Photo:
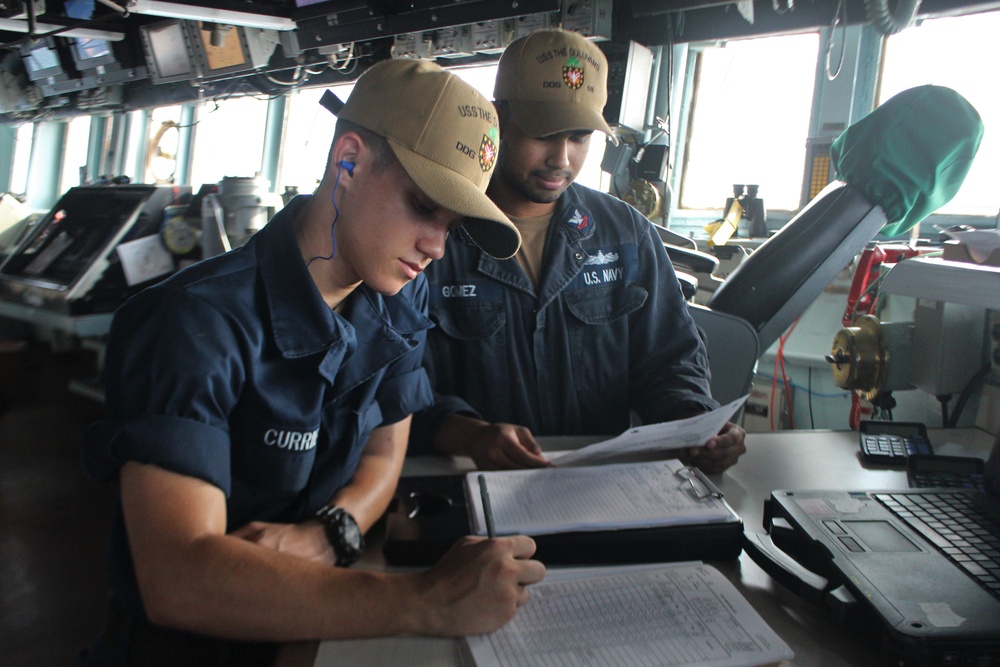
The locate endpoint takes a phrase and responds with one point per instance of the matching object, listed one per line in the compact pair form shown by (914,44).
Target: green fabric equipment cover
(911,154)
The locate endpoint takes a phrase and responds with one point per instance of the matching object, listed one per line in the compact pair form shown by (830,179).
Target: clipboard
(429,514)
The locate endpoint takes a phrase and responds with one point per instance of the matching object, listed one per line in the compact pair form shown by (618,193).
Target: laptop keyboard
(952,523)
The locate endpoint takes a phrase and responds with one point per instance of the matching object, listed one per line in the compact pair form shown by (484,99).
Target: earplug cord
(333,199)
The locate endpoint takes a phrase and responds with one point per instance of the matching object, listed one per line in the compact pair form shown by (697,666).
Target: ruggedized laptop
(918,569)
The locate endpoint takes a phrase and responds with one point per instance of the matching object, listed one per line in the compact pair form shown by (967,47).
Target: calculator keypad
(944,479)
(889,447)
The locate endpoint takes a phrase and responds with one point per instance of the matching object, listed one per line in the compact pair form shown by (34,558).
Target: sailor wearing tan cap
(259,402)
(587,323)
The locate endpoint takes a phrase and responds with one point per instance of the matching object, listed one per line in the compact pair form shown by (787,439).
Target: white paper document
(662,614)
(144,259)
(615,496)
(980,243)
(663,437)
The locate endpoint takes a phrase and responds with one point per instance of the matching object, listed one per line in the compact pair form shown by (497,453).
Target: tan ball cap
(446,136)
(554,81)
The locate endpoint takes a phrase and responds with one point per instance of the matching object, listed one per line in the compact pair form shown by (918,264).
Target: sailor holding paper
(587,322)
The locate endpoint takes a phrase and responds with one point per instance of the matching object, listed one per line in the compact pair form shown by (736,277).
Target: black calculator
(891,443)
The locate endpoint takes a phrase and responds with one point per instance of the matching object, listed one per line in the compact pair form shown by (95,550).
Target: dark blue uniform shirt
(236,372)
(606,331)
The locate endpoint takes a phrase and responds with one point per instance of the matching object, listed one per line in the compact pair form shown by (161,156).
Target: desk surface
(787,459)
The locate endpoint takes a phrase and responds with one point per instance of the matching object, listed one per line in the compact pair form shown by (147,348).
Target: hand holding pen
(483,581)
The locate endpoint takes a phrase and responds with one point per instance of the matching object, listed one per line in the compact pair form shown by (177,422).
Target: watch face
(352,534)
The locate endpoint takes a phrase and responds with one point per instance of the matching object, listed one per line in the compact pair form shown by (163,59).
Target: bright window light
(22,157)
(961,53)
(229,139)
(750,121)
(308,134)
(75,152)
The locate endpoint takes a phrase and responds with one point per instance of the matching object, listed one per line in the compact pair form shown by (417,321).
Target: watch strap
(342,532)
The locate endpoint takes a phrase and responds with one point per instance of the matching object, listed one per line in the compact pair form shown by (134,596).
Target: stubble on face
(528,183)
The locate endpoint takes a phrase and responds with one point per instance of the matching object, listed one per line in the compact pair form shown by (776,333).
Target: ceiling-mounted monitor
(169,54)
(92,53)
(41,60)
(224,49)
(178,50)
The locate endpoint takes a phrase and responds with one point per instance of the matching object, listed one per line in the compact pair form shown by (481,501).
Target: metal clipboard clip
(700,486)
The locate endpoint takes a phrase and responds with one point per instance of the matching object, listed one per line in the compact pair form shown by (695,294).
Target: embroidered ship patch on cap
(573,73)
(488,149)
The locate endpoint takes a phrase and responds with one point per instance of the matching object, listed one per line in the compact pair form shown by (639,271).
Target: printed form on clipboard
(659,439)
(616,496)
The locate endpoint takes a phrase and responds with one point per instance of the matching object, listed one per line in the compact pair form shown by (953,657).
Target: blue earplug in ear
(349,166)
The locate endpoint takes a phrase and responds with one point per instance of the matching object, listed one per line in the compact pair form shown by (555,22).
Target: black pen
(487,508)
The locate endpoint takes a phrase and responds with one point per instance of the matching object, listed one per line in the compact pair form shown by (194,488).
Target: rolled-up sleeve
(152,439)
(168,396)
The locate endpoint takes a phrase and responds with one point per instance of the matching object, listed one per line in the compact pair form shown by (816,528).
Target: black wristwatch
(342,533)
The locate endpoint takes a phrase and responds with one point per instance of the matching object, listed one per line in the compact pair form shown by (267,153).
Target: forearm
(427,422)
(194,577)
(374,482)
(227,587)
(456,433)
